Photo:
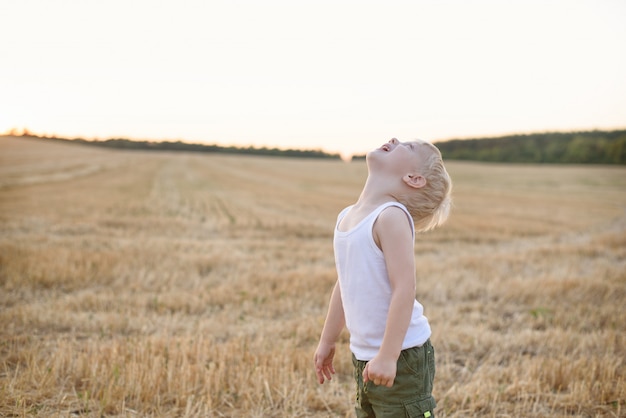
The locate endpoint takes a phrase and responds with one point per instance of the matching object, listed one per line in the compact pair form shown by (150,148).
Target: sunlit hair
(430,205)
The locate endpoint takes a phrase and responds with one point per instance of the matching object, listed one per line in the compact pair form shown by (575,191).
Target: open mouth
(386,148)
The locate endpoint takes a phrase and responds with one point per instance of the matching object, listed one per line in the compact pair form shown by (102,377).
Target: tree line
(122,143)
(586,147)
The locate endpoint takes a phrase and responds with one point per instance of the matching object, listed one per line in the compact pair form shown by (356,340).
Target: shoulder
(394,220)
(394,215)
(343,212)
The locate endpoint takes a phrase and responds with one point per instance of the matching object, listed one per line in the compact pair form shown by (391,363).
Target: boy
(407,189)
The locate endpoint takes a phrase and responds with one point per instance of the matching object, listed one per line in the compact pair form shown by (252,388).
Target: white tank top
(366,290)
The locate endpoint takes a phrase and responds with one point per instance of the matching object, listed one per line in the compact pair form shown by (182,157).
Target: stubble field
(172,284)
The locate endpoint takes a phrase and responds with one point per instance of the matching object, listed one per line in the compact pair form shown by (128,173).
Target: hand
(324,361)
(380,371)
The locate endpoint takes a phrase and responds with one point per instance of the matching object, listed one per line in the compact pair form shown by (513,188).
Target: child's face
(405,156)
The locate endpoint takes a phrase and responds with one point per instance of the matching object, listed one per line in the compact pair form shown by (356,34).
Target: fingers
(380,382)
(323,361)
(328,372)
(377,380)
(324,373)
(320,377)
(331,369)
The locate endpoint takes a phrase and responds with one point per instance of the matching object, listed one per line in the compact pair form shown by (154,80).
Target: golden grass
(159,284)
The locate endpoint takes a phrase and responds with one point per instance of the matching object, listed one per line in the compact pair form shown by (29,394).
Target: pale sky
(342,76)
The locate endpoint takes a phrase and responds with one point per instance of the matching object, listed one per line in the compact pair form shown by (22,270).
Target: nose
(393,141)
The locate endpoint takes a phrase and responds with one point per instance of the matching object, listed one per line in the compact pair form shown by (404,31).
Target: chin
(373,155)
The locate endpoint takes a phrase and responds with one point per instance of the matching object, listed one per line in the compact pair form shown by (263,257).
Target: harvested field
(178,284)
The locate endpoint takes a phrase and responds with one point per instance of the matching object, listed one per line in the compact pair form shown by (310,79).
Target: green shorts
(411,393)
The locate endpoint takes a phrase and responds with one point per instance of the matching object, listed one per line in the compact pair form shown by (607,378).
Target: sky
(341,76)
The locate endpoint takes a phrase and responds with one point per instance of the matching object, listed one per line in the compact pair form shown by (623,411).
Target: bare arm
(393,234)
(335,322)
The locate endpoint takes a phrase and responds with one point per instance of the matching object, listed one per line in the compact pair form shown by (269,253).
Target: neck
(376,192)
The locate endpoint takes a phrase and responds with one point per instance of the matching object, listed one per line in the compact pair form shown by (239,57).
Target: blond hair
(429,205)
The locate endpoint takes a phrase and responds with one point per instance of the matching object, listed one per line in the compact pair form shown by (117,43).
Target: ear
(414,180)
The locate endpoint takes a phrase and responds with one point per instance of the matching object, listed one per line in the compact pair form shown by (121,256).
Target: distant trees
(128,144)
(585,147)
(588,147)
(184,146)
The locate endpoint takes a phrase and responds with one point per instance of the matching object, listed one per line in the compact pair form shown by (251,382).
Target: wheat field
(155,284)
